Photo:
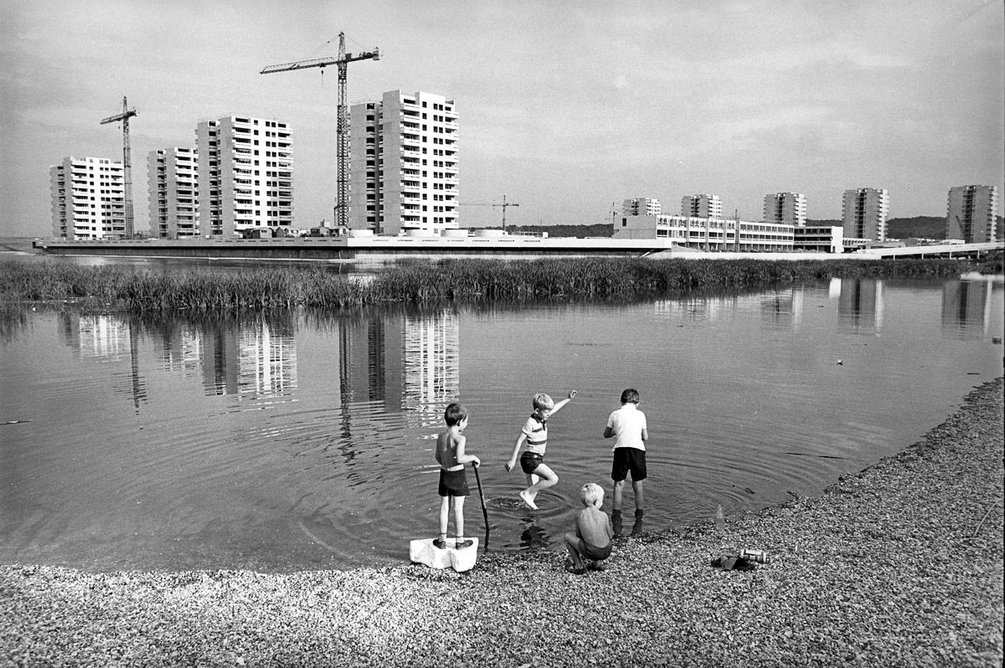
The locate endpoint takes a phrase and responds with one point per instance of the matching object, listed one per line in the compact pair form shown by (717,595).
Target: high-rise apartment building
(403,164)
(972,213)
(88,199)
(641,206)
(785,208)
(864,213)
(701,206)
(173,188)
(245,175)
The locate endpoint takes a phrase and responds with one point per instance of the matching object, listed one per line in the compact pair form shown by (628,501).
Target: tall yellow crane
(342,128)
(126,114)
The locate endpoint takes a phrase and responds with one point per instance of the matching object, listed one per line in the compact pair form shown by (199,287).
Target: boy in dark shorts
(535,435)
(628,425)
(453,482)
(590,544)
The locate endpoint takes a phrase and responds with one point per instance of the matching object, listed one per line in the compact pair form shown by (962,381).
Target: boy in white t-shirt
(628,425)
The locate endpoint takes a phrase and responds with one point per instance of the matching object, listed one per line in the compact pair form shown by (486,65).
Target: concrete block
(422,551)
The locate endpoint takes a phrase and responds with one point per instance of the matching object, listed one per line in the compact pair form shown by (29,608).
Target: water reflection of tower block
(860,303)
(966,309)
(370,359)
(221,360)
(422,551)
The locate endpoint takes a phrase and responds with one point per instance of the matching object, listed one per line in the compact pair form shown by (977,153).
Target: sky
(564,107)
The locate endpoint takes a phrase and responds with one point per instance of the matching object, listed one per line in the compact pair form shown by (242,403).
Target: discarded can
(756,556)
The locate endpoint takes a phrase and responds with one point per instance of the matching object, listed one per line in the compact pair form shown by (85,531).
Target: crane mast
(127,172)
(504,205)
(342,126)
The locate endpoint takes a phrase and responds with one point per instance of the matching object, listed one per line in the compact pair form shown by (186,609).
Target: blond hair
(543,402)
(592,494)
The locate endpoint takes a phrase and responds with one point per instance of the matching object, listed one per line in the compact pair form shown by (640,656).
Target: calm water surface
(303,441)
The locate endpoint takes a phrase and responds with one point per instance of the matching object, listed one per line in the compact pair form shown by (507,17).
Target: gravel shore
(899,565)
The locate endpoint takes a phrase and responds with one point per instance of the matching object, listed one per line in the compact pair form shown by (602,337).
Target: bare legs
(619,486)
(542,478)
(457,503)
(574,544)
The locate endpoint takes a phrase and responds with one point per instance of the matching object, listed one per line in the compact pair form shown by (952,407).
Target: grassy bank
(898,565)
(419,282)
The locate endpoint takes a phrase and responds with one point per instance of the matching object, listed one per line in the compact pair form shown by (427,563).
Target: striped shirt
(536,431)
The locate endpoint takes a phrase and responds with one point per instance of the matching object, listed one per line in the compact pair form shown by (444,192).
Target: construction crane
(126,114)
(342,128)
(492,204)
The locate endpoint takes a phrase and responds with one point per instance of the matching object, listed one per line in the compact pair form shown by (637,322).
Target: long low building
(360,246)
(363,246)
(730,235)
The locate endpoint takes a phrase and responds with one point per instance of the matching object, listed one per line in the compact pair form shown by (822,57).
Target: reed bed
(600,279)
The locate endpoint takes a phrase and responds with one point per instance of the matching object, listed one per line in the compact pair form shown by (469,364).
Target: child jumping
(453,482)
(628,426)
(591,541)
(535,434)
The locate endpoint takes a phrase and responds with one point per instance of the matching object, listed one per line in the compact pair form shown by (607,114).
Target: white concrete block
(422,551)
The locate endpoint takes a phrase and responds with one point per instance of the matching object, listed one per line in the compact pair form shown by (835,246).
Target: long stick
(485,512)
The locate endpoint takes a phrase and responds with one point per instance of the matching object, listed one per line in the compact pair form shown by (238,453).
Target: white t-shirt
(627,423)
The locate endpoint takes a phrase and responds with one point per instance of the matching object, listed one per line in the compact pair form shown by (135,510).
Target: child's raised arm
(563,402)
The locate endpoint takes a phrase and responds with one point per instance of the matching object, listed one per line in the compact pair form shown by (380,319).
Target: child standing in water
(628,427)
(535,434)
(453,482)
(590,544)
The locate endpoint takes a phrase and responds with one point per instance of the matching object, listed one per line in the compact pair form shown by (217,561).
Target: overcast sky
(564,107)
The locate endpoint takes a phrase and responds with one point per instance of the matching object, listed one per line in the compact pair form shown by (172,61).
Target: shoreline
(898,564)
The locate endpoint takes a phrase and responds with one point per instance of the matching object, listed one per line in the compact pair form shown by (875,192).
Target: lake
(304,440)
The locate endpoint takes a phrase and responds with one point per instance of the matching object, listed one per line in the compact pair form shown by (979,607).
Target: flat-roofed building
(641,206)
(173,185)
(819,238)
(785,208)
(245,175)
(403,164)
(864,212)
(701,206)
(711,234)
(88,199)
(972,213)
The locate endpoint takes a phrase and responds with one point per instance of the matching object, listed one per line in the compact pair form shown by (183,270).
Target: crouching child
(590,544)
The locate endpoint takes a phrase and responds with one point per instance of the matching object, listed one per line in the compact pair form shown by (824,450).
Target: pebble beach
(900,564)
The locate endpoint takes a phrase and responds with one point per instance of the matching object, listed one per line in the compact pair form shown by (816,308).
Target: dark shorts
(597,553)
(453,483)
(628,459)
(529,461)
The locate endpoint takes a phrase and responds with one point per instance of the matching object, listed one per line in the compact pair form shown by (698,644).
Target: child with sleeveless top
(535,435)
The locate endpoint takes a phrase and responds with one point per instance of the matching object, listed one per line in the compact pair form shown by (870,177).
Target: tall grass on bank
(600,279)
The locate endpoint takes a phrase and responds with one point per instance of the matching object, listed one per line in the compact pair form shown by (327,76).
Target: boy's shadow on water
(533,536)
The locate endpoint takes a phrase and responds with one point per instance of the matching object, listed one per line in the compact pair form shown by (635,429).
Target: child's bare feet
(528,498)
